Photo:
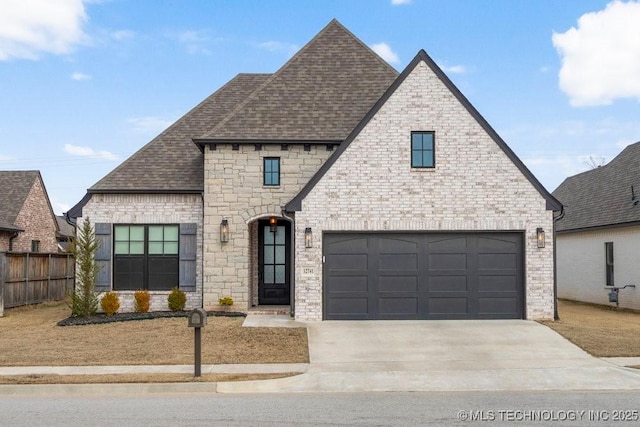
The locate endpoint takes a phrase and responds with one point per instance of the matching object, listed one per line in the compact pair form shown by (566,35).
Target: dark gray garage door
(423,276)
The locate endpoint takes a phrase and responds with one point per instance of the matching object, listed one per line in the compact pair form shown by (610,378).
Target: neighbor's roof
(171,162)
(66,230)
(14,189)
(602,197)
(320,94)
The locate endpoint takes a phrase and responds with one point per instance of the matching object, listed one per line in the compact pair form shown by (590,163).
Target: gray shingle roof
(171,162)
(14,189)
(320,94)
(602,196)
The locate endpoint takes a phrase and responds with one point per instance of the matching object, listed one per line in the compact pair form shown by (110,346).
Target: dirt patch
(600,330)
(29,336)
(136,378)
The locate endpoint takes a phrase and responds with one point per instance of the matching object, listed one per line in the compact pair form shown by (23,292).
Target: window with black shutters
(146,256)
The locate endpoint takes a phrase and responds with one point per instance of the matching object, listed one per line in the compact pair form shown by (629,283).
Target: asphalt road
(327,409)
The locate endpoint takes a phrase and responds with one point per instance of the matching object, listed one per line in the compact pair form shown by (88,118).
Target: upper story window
(35,246)
(271,171)
(423,150)
(608,262)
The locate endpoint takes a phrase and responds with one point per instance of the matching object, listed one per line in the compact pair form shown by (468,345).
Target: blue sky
(85,84)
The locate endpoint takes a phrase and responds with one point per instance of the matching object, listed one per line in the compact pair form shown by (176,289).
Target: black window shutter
(103,256)
(188,244)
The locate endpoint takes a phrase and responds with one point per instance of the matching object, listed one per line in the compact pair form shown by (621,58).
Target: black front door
(274,253)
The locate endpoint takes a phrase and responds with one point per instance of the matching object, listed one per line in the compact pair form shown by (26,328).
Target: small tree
(84,299)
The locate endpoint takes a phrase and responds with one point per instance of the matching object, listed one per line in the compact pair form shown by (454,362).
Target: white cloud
(454,69)
(149,125)
(195,41)
(275,46)
(76,150)
(80,76)
(123,35)
(545,69)
(30,28)
(4,158)
(399,2)
(59,207)
(384,50)
(600,58)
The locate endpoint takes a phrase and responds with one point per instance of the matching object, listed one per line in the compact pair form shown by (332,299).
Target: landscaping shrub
(84,300)
(110,303)
(177,300)
(142,301)
(225,301)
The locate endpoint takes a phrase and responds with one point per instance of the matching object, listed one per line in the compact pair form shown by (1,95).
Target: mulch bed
(125,317)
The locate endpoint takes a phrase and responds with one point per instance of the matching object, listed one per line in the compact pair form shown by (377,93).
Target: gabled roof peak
(319,94)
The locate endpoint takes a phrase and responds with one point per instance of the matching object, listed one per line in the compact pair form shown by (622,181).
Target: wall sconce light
(224,231)
(308,238)
(273,224)
(540,237)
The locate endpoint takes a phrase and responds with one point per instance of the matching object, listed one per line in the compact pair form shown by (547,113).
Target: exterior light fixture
(540,237)
(308,238)
(273,224)
(224,231)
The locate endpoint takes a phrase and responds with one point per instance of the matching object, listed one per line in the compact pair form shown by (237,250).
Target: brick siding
(474,186)
(38,222)
(150,209)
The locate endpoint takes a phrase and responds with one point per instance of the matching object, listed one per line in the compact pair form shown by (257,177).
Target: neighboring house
(598,236)
(65,234)
(27,222)
(337,188)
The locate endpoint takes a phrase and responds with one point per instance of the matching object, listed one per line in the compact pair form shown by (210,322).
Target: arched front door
(274,253)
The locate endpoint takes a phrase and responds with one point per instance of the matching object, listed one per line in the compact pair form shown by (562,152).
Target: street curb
(102,389)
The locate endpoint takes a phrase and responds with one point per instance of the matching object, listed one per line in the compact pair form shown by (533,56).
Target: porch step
(270,309)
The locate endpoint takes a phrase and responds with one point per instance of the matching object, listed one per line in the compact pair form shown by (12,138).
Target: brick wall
(234,190)
(474,186)
(4,240)
(38,222)
(150,209)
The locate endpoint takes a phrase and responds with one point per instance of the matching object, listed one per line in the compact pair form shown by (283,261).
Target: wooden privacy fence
(30,278)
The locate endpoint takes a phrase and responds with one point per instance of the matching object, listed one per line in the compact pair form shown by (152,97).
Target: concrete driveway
(445,355)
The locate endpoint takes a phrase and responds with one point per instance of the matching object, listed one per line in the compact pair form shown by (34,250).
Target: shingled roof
(320,94)
(171,162)
(603,197)
(14,189)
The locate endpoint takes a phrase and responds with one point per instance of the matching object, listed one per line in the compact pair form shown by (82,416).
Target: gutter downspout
(11,238)
(201,256)
(292,277)
(556,316)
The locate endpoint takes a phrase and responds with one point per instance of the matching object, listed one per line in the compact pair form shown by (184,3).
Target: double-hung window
(423,153)
(271,170)
(146,257)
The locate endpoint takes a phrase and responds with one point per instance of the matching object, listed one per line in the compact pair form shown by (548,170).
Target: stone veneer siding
(581,265)
(474,186)
(37,221)
(234,190)
(150,209)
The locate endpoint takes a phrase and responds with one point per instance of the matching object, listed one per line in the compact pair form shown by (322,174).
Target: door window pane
(155,233)
(279,255)
(268,236)
(122,248)
(280,274)
(268,274)
(136,248)
(280,235)
(268,255)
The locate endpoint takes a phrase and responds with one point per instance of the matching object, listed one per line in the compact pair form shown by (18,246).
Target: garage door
(423,276)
